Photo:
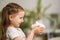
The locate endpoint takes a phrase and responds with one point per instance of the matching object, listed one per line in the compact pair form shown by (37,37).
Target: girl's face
(17,19)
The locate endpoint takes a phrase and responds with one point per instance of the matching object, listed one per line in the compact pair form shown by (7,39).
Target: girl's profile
(12,17)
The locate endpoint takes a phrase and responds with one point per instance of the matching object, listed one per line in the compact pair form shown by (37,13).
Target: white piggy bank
(38,24)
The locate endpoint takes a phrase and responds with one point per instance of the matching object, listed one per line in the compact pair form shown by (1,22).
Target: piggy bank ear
(40,23)
(33,25)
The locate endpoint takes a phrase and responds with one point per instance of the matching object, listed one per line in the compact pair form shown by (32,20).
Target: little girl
(12,17)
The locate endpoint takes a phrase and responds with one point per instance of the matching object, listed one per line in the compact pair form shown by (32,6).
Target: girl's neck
(11,25)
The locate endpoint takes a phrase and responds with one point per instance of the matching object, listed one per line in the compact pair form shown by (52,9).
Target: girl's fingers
(39,30)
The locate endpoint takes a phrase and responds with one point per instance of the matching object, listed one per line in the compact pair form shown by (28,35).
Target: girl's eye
(21,17)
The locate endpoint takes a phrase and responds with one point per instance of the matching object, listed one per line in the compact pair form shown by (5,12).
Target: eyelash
(21,17)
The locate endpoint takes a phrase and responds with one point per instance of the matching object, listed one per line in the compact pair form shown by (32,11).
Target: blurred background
(46,10)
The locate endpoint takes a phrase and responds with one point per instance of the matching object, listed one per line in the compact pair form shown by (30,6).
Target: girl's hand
(38,30)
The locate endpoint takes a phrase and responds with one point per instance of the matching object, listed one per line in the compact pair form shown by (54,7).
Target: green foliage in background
(33,15)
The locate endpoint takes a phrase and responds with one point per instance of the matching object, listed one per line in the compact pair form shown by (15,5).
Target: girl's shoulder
(11,28)
(12,32)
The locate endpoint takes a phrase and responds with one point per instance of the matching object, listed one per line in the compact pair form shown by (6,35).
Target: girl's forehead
(20,13)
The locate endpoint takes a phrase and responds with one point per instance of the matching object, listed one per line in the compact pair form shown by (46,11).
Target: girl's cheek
(18,20)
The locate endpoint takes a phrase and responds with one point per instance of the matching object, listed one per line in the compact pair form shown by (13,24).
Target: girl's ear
(10,17)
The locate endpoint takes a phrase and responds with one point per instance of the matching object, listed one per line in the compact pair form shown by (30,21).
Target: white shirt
(14,32)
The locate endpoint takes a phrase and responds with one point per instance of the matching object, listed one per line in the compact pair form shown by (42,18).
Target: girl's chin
(17,26)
